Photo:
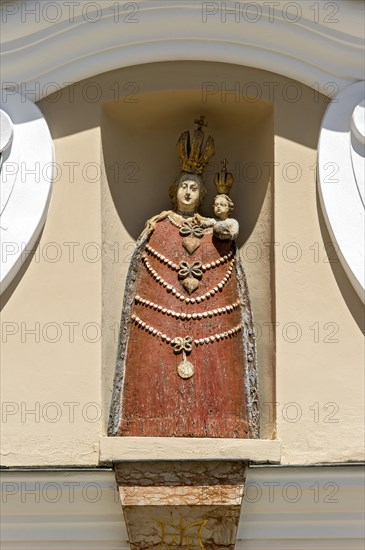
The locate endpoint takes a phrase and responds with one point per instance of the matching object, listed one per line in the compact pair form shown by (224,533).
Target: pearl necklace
(178,295)
(197,341)
(184,345)
(187,316)
(177,267)
(177,224)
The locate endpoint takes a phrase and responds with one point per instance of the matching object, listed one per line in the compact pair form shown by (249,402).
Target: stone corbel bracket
(181,504)
(183,492)
(27,173)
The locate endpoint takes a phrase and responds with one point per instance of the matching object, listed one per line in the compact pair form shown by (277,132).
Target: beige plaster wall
(320,325)
(308,318)
(51,342)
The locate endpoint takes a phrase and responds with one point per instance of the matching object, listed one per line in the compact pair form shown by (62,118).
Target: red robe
(150,398)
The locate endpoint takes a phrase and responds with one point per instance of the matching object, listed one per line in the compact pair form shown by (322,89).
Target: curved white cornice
(341,165)
(25,182)
(318,46)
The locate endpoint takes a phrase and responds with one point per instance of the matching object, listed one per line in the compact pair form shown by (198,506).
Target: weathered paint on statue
(186,358)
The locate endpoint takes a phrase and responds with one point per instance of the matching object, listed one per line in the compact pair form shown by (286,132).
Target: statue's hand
(208,222)
(226,230)
(195,220)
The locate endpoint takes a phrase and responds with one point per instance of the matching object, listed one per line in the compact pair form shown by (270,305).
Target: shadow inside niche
(353,302)
(81,113)
(141,160)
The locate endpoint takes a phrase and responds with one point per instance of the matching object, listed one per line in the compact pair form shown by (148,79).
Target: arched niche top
(142,144)
(26,181)
(341,161)
(68,43)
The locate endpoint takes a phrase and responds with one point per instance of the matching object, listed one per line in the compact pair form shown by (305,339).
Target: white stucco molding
(6,134)
(25,181)
(341,166)
(124,449)
(69,41)
(283,508)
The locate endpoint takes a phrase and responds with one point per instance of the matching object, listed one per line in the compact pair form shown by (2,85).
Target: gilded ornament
(224,180)
(193,155)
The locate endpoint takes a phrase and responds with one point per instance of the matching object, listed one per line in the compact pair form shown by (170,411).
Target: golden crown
(224,180)
(194,156)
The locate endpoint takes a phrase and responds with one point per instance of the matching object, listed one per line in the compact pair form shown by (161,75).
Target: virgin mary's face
(188,195)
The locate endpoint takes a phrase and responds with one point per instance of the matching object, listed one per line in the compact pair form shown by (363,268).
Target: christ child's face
(221,208)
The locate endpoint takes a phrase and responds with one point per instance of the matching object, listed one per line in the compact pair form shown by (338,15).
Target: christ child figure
(225,228)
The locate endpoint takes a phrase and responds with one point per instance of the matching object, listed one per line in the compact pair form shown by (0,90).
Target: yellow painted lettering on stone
(185,535)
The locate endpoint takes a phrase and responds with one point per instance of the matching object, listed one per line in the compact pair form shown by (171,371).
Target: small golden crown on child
(194,156)
(224,180)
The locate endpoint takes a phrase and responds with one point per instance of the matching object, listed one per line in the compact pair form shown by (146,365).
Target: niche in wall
(139,136)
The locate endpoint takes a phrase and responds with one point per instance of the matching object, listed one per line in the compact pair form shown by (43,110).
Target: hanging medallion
(192,236)
(185,370)
(190,275)
(183,345)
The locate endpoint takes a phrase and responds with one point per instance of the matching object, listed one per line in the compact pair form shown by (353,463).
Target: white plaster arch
(6,135)
(323,50)
(304,41)
(341,166)
(25,182)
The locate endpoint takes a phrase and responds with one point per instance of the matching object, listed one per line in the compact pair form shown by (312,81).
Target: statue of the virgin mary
(186,363)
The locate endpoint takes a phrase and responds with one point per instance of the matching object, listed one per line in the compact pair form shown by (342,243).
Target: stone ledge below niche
(125,449)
